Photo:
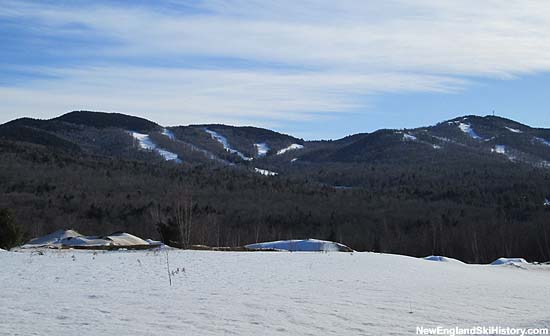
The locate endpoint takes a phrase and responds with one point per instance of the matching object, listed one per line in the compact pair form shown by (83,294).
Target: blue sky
(315,69)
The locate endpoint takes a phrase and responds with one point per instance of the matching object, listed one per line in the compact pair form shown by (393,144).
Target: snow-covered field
(261,293)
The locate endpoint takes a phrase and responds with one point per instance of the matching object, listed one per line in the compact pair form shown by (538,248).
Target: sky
(316,69)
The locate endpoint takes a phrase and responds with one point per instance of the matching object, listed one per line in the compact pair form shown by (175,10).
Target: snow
(66,292)
(514,130)
(441,259)
(71,238)
(125,239)
(436,147)
(500,149)
(294,160)
(546,202)
(262,149)
(467,128)
(54,238)
(223,140)
(265,172)
(509,261)
(84,241)
(2,250)
(442,138)
(304,245)
(169,134)
(289,148)
(543,141)
(409,137)
(146,143)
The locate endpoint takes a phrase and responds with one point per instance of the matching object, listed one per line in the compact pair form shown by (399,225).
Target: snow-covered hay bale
(52,239)
(509,261)
(305,245)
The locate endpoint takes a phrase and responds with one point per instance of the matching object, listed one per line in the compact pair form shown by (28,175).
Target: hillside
(473,188)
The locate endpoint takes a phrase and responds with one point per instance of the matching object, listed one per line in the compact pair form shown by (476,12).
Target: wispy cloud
(209,95)
(239,61)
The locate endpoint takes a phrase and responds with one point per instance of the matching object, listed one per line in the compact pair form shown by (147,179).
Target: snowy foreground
(257,293)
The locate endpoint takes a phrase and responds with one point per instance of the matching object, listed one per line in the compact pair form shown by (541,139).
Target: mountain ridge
(115,133)
(426,191)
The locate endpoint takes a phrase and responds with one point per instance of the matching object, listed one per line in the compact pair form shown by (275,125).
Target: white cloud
(330,55)
(180,96)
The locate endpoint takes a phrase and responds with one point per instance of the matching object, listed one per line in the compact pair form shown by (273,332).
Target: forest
(475,211)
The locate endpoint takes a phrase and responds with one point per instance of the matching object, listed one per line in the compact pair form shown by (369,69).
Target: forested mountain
(474,188)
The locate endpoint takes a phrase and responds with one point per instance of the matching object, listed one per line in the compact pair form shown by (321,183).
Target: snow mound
(289,148)
(223,140)
(54,238)
(467,128)
(265,172)
(305,245)
(441,259)
(509,261)
(513,130)
(146,143)
(262,149)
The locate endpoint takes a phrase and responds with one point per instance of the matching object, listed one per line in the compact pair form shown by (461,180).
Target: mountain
(474,188)
(108,120)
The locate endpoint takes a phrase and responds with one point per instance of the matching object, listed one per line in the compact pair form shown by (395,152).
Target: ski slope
(146,143)
(542,141)
(289,148)
(265,172)
(262,149)
(467,128)
(513,130)
(223,141)
(261,293)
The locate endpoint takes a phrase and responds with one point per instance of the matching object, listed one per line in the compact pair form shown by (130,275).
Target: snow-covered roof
(125,239)
(441,259)
(52,238)
(304,245)
(71,238)
(84,241)
(509,261)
